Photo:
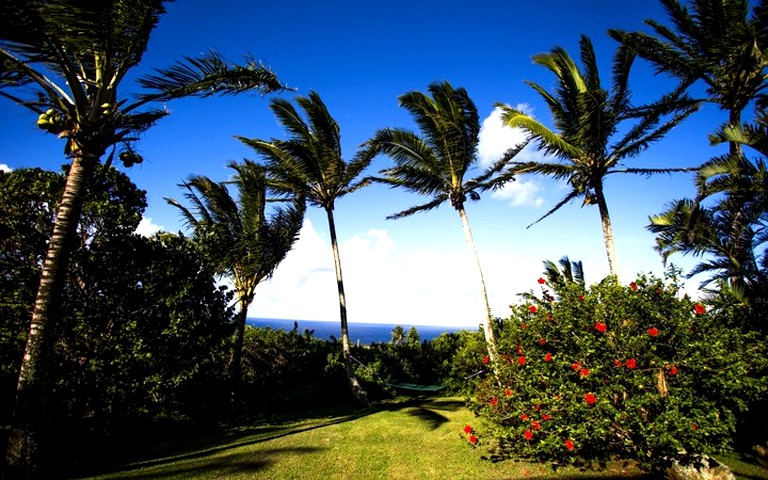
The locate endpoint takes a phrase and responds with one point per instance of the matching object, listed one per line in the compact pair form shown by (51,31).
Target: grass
(405,439)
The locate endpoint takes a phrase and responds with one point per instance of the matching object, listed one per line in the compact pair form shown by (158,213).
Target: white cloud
(496,138)
(520,193)
(4,167)
(382,283)
(147,228)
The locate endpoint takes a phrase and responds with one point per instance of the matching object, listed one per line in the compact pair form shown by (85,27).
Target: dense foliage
(638,372)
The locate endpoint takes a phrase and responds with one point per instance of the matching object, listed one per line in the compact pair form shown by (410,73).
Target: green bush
(635,372)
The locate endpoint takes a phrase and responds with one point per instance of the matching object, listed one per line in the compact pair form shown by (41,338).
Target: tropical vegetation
(106,335)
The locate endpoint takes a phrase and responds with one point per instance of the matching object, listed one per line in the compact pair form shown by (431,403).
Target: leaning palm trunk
(30,410)
(357,390)
(490,338)
(236,355)
(605,221)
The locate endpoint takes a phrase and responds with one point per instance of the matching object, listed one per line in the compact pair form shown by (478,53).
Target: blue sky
(360,56)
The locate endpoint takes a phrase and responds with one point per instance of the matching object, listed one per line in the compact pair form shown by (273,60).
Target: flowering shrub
(634,372)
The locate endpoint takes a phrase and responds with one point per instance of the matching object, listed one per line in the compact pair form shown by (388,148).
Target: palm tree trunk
(26,447)
(605,220)
(490,337)
(236,355)
(357,390)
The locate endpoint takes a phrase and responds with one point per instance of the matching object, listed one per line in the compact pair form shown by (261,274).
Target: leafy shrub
(635,372)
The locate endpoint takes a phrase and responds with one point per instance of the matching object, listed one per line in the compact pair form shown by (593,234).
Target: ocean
(359,333)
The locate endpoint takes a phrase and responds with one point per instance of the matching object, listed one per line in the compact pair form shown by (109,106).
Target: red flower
(546,417)
(523,326)
(548,357)
(590,398)
(508,392)
(535,425)
(473,440)
(576,366)
(528,435)
(493,401)
(631,363)
(542,341)
(537,408)
(524,417)
(549,317)
(583,372)
(673,370)
(694,426)
(533,309)
(581,298)
(618,363)
(699,309)
(521,360)
(653,331)
(633,286)
(600,326)
(541,281)
(569,444)
(468,429)
(486,359)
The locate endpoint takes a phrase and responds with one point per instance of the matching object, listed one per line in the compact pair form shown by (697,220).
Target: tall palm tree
(717,42)
(436,163)
(65,60)
(310,164)
(586,117)
(242,241)
(724,44)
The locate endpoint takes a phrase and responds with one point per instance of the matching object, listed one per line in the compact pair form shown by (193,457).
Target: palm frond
(568,198)
(550,142)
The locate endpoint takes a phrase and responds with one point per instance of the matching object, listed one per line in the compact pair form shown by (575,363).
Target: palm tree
(244,244)
(566,273)
(436,163)
(64,60)
(717,42)
(310,164)
(586,118)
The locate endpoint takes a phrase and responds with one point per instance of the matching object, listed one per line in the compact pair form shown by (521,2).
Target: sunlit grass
(418,439)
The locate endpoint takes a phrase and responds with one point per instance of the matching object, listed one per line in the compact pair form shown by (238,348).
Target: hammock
(414,387)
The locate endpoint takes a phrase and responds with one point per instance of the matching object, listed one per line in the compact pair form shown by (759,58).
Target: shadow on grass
(223,465)
(257,430)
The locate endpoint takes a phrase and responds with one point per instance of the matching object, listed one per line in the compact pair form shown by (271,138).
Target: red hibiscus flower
(523,326)
(633,286)
(535,425)
(508,392)
(673,370)
(521,360)
(569,444)
(524,417)
(548,357)
(631,363)
(694,426)
(468,429)
(536,408)
(546,417)
(590,398)
(583,372)
(473,440)
(486,359)
(533,309)
(618,363)
(576,366)
(549,317)
(541,281)
(581,298)
(528,435)
(493,401)
(699,309)
(653,331)
(542,341)
(600,326)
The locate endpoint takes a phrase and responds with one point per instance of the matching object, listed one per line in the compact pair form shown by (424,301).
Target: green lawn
(416,439)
